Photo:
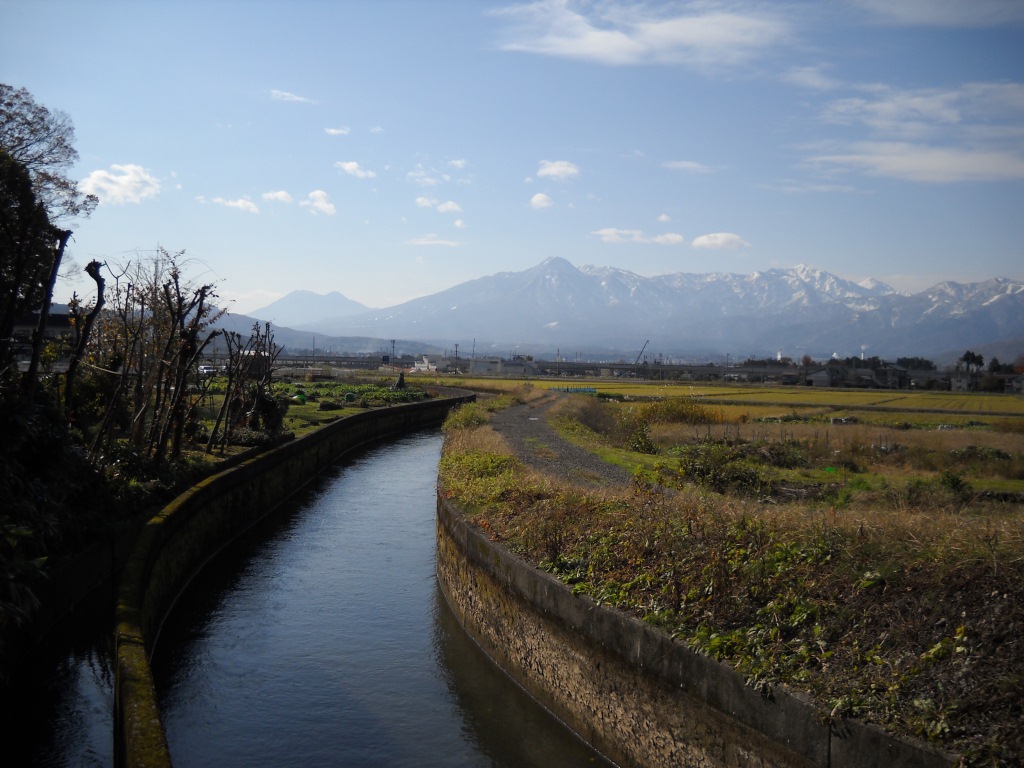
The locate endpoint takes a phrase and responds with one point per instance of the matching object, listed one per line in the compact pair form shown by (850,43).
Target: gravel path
(526,430)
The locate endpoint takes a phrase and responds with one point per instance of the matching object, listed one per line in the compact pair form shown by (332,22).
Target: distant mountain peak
(303,307)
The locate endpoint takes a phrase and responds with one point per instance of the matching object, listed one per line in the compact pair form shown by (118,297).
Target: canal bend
(321,638)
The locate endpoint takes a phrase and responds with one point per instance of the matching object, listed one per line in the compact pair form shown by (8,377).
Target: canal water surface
(322,639)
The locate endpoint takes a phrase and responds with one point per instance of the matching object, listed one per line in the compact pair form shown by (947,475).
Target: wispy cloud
(700,35)
(688,166)
(278,196)
(915,162)
(946,13)
(613,235)
(353,168)
(343,131)
(434,240)
(812,78)
(971,133)
(241,203)
(426,177)
(558,169)
(121,184)
(318,201)
(277,95)
(720,241)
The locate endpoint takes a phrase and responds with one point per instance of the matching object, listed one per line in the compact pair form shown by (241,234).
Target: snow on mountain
(556,305)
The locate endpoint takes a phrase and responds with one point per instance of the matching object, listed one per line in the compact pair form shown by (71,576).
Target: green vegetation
(878,568)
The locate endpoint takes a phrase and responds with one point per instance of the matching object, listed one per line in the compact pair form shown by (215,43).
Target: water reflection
(323,639)
(60,710)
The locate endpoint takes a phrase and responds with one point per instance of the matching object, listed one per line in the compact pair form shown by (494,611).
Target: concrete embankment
(628,689)
(178,541)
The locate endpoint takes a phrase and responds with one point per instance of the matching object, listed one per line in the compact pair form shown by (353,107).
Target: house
(892,376)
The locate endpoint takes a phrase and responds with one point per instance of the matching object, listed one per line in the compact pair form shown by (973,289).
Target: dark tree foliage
(916,363)
(42,140)
(972,360)
(872,363)
(26,251)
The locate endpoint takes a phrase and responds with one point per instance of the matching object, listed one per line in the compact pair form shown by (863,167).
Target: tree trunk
(93,270)
(39,335)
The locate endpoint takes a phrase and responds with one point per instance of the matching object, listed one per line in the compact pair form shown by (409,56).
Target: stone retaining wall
(176,543)
(628,689)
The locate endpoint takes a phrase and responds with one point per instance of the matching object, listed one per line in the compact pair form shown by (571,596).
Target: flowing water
(322,639)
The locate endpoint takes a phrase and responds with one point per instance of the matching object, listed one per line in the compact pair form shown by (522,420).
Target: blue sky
(389,150)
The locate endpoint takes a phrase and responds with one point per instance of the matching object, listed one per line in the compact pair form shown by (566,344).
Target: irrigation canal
(319,639)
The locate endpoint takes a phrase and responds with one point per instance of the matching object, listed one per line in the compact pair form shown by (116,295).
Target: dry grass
(897,601)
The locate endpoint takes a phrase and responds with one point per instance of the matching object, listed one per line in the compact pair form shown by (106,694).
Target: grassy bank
(878,568)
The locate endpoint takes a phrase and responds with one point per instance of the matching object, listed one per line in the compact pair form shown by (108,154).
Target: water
(60,710)
(322,639)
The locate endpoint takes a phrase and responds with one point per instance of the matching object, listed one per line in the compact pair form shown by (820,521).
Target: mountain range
(605,312)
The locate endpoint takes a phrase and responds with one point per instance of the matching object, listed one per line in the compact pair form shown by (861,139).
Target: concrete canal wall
(629,690)
(177,542)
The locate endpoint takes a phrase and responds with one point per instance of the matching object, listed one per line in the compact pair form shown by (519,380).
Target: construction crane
(637,361)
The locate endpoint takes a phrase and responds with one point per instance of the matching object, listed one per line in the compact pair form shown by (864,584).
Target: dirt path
(538,445)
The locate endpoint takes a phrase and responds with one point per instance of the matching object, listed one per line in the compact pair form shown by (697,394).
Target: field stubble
(892,590)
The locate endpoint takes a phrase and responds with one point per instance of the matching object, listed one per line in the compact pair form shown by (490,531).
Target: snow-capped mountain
(556,305)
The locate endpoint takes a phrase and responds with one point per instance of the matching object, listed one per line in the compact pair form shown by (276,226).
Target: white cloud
(460,164)
(421,177)
(353,168)
(242,204)
(460,224)
(924,112)
(434,240)
(720,241)
(285,96)
(319,202)
(121,184)
(947,13)
(664,218)
(343,131)
(974,132)
(703,35)
(813,78)
(280,196)
(614,235)
(540,200)
(689,166)
(912,162)
(449,206)
(558,169)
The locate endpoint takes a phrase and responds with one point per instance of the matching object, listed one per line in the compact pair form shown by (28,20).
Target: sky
(392,149)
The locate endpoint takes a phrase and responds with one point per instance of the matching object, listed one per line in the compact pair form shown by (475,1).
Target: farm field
(913,407)
(875,563)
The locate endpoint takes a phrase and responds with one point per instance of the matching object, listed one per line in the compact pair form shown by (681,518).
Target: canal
(322,639)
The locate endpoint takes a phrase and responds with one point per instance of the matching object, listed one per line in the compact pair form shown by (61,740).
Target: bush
(465,416)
